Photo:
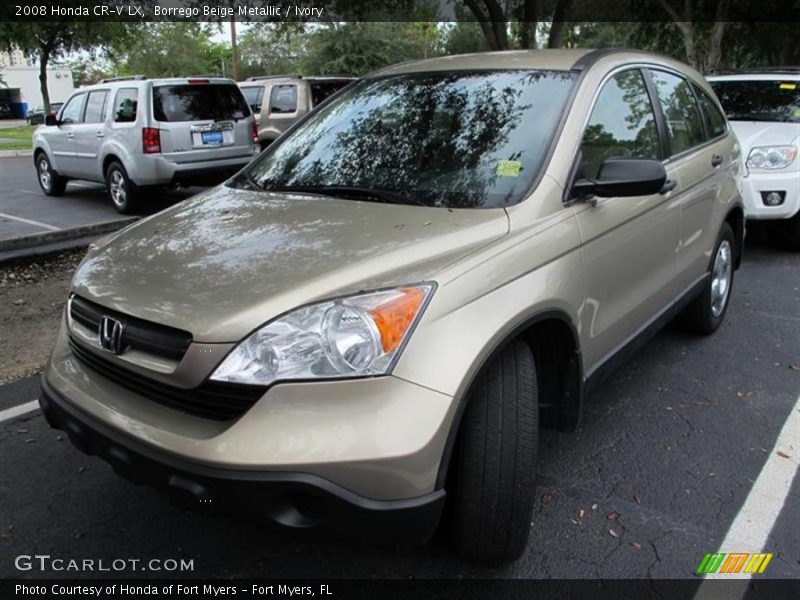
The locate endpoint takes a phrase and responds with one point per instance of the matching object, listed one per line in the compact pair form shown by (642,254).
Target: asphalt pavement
(670,451)
(26,211)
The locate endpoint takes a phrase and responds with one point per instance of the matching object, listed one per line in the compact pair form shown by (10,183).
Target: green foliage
(360,47)
(170,49)
(272,49)
(464,37)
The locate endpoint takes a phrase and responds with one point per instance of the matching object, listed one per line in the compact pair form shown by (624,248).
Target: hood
(760,133)
(224,262)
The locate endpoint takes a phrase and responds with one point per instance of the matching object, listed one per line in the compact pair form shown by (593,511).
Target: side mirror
(50,120)
(624,177)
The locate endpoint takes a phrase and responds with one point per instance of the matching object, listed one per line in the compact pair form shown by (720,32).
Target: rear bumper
(157,169)
(292,499)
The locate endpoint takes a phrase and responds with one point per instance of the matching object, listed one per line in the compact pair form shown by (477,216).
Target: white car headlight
(357,336)
(771,157)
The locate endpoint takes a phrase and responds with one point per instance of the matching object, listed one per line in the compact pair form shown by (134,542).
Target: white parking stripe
(15,411)
(29,222)
(30,192)
(754,522)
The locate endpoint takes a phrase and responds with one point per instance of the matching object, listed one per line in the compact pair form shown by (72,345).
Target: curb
(56,241)
(15,153)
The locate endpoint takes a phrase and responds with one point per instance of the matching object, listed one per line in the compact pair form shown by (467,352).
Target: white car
(763,108)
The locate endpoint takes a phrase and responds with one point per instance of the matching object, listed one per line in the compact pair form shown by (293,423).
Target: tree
(494,17)
(702,41)
(170,49)
(48,41)
(272,49)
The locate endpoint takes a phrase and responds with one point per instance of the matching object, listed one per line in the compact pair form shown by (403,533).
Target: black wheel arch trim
(513,330)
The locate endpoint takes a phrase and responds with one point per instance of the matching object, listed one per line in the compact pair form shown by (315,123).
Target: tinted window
(622,123)
(95,107)
(442,139)
(253,95)
(716,120)
(774,101)
(198,102)
(283,99)
(321,89)
(74,109)
(125,105)
(681,113)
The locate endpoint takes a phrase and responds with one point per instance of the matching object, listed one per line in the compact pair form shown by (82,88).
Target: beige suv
(381,311)
(279,101)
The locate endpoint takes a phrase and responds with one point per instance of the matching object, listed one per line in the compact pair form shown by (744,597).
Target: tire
(705,313)
(495,461)
(123,192)
(785,234)
(52,183)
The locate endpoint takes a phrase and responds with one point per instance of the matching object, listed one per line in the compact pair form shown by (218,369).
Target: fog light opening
(772,198)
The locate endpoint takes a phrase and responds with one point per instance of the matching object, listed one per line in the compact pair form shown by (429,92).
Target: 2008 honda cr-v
(386,305)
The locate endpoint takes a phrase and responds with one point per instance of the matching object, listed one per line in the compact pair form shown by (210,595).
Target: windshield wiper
(345,191)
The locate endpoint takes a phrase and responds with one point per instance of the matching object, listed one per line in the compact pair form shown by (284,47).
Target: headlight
(357,336)
(771,157)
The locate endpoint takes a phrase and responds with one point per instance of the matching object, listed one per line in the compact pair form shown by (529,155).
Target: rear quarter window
(125,105)
(283,99)
(198,102)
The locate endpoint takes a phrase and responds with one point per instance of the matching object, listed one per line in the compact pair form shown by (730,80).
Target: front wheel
(124,193)
(706,312)
(52,183)
(495,462)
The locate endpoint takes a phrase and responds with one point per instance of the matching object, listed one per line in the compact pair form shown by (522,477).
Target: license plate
(212,137)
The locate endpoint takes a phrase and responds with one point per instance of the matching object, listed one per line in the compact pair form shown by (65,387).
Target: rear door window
(715,118)
(73,111)
(198,102)
(125,105)
(96,107)
(681,113)
(283,99)
(321,90)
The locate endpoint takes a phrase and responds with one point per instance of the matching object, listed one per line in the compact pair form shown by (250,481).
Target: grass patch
(16,138)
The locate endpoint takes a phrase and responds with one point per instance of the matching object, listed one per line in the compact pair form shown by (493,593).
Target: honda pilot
(132,133)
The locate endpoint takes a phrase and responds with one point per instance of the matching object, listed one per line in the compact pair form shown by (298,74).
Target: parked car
(133,132)
(385,306)
(289,97)
(36,116)
(763,107)
(6,112)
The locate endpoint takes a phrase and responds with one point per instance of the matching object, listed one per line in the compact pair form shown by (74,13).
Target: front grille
(210,400)
(152,338)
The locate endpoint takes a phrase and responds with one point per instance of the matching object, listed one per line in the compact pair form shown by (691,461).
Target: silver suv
(132,132)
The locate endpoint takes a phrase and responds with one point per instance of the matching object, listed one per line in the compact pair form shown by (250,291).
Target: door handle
(100,134)
(716,160)
(669,185)
(70,136)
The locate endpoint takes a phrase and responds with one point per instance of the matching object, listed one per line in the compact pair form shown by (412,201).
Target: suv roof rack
(260,77)
(123,78)
(789,70)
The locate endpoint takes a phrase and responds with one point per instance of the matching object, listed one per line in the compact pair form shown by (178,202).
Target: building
(21,78)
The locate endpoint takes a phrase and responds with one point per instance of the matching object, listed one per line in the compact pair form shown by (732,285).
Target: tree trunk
(715,43)
(556,37)
(483,22)
(492,22)
(234,51)
(44,58)
(530,18)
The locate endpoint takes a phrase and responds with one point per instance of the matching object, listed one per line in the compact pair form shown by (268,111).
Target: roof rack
(789,70)
(124,78)
(260,77)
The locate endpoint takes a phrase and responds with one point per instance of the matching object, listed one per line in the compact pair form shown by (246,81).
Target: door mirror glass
(624,177)
(50,120)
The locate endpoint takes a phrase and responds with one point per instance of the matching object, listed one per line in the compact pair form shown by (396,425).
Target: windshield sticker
(788,86)
(509,168)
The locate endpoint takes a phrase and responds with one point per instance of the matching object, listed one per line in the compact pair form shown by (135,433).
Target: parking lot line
(30,222)
(29,192)
(754,521)
(15,411)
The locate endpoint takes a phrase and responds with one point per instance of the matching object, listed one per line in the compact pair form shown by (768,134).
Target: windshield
(440,139)
(768,100)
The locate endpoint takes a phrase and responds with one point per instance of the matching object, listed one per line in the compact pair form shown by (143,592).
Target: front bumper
(292,499)
(784,180)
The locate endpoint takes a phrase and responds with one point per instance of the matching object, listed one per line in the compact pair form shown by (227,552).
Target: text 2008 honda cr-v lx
(381,311)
